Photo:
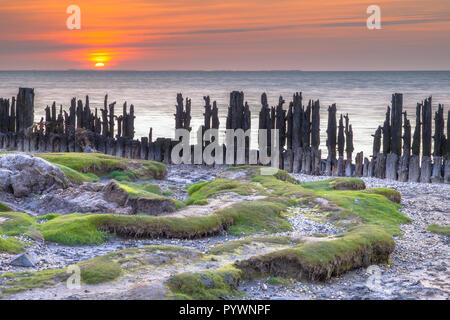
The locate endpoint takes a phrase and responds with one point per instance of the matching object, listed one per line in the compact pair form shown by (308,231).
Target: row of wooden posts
(397,155)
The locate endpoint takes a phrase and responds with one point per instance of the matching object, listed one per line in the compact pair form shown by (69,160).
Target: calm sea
(363,95)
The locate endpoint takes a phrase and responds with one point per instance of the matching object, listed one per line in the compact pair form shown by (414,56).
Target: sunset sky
(225,35)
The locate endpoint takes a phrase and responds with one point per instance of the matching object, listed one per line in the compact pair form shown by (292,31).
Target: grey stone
(23,175)
(23,260)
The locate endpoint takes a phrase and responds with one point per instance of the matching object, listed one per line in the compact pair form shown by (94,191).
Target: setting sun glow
(198,34)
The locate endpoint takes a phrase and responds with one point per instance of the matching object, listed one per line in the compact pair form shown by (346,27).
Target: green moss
(284,176)
(101,164)
(230,247)
(261,216)
(48,216)
(73,229)
(283,188)
(258,171)
(391,194)
(4,207)
(77,177)
(11,245)
(148,190)
(204,190)
(200,202)
(439,229)
(122,176)
(99,270)
(153,188)
(167,193)
(370,208)
(336,184)
(320,260)
(205,285)
(178,204)
(15,223)
(22,281)
(277,281)
(92,176)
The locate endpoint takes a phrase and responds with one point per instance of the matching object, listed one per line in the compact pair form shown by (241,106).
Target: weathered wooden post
(306,139)
(247,125)
(289,125)
(414,167)
(331,140)
(439,145)
(425,173)
(396,137)
(4,116)
(340,171)
(316,154)
(359,164)
(24,109)
(12,118)
(280,123)
(380,166)
(366,167)
(349,146)
(296,131)
(375,152)
(404,160)
(447,152)
(111,119)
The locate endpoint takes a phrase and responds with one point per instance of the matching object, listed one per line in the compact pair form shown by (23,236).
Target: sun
(99,65)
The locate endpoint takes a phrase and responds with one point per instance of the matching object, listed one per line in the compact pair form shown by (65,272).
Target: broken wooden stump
(391,166)
(436,176)
(425,170)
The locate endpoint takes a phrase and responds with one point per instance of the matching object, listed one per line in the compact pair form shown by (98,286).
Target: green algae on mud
(4,207)
(337,184)
(101,164)
(98,270)
(77,177)
(231,247)
(199,192)
(391,194)
(239,219)
(15,223)
(243,218)
(11,245)
(439,229)
(205,285)
(320,260)
(11,283)
(148,191)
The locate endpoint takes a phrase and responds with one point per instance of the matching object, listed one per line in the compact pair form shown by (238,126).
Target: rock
(207,282)
(113,192)
(23,260)
(321,202)
(75,199)
(152,206)
(23,174)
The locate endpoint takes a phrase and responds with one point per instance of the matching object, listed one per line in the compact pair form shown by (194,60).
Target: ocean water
(363,95)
